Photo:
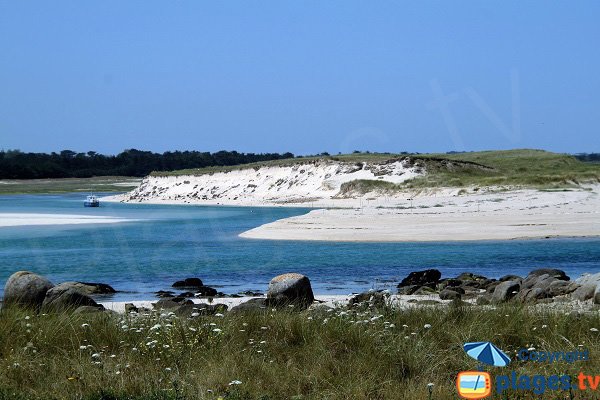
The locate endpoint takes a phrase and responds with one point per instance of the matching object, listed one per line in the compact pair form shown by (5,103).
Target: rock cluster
(540,285)
(29,290)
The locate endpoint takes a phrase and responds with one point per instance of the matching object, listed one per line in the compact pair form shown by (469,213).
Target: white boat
(91,201)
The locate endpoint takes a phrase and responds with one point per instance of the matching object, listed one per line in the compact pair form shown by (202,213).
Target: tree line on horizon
(15,164)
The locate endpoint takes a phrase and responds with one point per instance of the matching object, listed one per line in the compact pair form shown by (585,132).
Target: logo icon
(478,384)
(473,384)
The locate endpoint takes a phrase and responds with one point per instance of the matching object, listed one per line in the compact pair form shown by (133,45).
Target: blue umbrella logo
(487,353)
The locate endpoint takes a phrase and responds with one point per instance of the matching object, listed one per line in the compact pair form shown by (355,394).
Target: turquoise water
(174,242)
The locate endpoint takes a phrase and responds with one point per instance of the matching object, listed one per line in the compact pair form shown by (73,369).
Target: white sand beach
(501,215)
(326,300)
(25,219)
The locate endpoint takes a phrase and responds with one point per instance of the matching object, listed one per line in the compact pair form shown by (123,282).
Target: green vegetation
(359,353)
(15,164)
(531,168)
(362,186)
(97,184)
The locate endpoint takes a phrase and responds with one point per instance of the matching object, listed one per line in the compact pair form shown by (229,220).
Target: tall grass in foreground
(321,354)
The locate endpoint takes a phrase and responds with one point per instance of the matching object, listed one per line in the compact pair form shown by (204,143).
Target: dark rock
(196,310)
(291,288)
(165,293)
(167,304)
(129,308)
(372,299)
(65,299)
(26,289)
(505,291)
(477,284)
(406,290)
(555,273)
(467,276)
(584,292)
(252,293)
(425,302)
(88,288)
(89,309)
(189,283)
(186,294)
(531,295)
(545,283)
(450,294)
(252,305)
(422,278)
(515,278)
(492,286)
(424,291)
(205,291)
(448,283)
(561,288)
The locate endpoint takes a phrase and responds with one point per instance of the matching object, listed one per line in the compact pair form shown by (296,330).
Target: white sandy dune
(25,219)
(298,184)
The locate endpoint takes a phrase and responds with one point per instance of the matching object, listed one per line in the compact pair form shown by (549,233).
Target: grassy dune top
(513,168)
(358,353)
(535,168)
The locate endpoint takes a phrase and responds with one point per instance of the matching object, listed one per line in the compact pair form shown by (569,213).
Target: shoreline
(431,215)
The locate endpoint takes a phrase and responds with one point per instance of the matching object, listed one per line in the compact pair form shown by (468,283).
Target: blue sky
(304,76)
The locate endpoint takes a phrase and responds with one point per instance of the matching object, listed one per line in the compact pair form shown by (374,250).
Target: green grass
(514,168)
(522,168)
(362,186)
(276,354)
(97,184)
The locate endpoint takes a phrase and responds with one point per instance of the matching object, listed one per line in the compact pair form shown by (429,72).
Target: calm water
(174,242)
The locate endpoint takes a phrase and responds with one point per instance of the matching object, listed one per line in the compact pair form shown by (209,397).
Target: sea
(166,243)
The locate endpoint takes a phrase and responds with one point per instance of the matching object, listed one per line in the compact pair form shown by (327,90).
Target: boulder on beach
(451,293)
(505,291)
(252,305)
(291,288)
(26,289)
(170,303)
(589,288)
(545,283)
(428,277)
(197,310)
(66,299)
(88,288)
(377,299)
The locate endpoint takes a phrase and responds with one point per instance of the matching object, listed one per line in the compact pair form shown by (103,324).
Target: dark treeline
(15,164)
(590,157)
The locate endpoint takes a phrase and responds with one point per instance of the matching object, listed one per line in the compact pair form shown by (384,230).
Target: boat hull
(91,204)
